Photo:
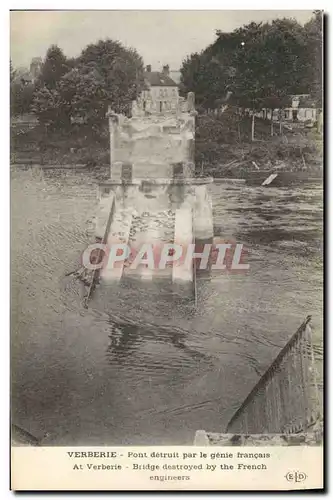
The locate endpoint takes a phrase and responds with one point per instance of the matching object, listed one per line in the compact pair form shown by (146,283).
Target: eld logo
(295,477)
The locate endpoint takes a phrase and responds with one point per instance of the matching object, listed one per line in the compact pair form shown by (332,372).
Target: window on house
(144,105)
(161,106)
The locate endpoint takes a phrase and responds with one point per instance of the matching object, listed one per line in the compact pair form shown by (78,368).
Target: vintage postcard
(166,250)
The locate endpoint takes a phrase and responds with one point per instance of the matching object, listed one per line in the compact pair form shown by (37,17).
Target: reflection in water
(145,367)
(125,339)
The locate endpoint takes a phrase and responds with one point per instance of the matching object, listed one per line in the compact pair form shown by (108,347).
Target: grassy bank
(79,145)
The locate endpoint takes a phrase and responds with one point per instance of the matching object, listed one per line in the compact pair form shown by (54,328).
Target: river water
(147,369)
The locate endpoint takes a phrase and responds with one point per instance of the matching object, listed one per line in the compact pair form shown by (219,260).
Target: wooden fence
(286,398)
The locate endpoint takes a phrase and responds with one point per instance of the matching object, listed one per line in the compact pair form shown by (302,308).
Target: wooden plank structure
(285,402)
(286,398)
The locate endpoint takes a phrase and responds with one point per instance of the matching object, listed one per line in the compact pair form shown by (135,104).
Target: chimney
(148,68)
(166,70)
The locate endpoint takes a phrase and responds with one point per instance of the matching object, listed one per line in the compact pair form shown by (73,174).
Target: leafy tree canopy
(261,63)
(105,73)
(54,67)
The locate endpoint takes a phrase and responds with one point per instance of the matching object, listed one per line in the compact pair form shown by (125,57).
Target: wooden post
(319,121)
(111,137)
(280,113)
(252,128)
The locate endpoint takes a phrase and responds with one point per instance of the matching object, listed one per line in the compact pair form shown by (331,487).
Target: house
(302,109)
(298,108)
(161,92)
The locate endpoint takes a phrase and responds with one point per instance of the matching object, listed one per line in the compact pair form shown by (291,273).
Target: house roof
(175,75)
(157,79)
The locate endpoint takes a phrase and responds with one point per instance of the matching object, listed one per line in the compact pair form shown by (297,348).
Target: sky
(160,37)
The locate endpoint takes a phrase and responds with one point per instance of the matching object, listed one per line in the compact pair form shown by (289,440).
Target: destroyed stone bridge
(152,196)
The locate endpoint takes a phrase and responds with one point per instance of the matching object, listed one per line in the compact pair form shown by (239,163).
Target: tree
(106,73)
(269,61)
(83,95)
(190,71)
(207,77)
(46,105)
(314,64)
(46,99)
(54,67)
(257,62)
(116,69)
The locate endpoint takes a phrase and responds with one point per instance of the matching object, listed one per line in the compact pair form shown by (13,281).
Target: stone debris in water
(154,222)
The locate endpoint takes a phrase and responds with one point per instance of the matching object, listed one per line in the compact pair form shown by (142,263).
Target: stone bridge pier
(152,197)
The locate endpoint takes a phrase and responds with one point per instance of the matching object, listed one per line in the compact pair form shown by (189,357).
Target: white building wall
(159,99)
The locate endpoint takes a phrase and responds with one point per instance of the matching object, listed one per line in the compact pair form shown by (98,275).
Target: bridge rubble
(152,196)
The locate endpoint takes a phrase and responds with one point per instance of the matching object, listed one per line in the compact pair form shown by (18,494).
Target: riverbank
(223,148)
(79,146)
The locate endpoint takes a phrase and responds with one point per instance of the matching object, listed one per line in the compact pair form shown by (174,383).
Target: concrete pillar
(203,224)
(191,150)
(116,170)
(119,233)
(178,171)
(203,214)
(182,271)
(127,172)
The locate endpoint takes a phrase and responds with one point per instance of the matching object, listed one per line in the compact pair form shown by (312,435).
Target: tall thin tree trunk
(272,123)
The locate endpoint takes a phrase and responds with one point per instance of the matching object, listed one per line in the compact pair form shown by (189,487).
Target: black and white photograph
(166,213)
